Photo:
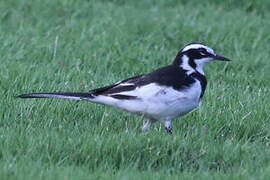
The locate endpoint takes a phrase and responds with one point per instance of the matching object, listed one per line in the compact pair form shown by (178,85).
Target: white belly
(171,103)
(158,102)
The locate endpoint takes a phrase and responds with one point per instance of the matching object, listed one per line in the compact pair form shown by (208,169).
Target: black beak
(221,58)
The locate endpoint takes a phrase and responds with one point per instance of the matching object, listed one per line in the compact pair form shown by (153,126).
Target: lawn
(68,45)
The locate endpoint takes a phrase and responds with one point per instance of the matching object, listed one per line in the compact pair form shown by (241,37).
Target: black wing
(120,87)
(170,76)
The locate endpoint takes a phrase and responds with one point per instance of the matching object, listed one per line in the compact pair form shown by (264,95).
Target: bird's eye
(202,53)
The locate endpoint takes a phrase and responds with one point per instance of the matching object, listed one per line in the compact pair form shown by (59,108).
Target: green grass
(80,45)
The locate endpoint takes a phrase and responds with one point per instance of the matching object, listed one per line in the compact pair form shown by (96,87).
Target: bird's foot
(168,126)
(169,130)
(147,126)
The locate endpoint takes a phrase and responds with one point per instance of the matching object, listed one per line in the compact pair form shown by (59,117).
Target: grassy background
(67,45)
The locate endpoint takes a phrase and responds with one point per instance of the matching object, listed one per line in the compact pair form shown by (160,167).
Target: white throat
(200,64)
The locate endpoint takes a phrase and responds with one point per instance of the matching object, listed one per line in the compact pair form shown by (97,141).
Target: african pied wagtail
(163,94)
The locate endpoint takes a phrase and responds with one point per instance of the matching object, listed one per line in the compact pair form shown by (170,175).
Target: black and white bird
(161,95)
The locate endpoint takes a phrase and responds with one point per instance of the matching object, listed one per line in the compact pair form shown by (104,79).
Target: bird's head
(195,56)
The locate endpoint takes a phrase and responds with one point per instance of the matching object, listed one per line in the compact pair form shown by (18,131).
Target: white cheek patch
(185,65)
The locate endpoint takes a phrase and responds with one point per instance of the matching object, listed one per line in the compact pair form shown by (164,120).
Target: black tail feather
(66,95)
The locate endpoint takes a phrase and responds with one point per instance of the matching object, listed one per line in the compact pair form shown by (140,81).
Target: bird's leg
(168,126)
(147,125)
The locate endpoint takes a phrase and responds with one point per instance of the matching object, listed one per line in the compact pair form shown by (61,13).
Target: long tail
(64,95)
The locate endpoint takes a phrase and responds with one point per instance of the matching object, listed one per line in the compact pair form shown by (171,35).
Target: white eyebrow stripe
(197,46)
